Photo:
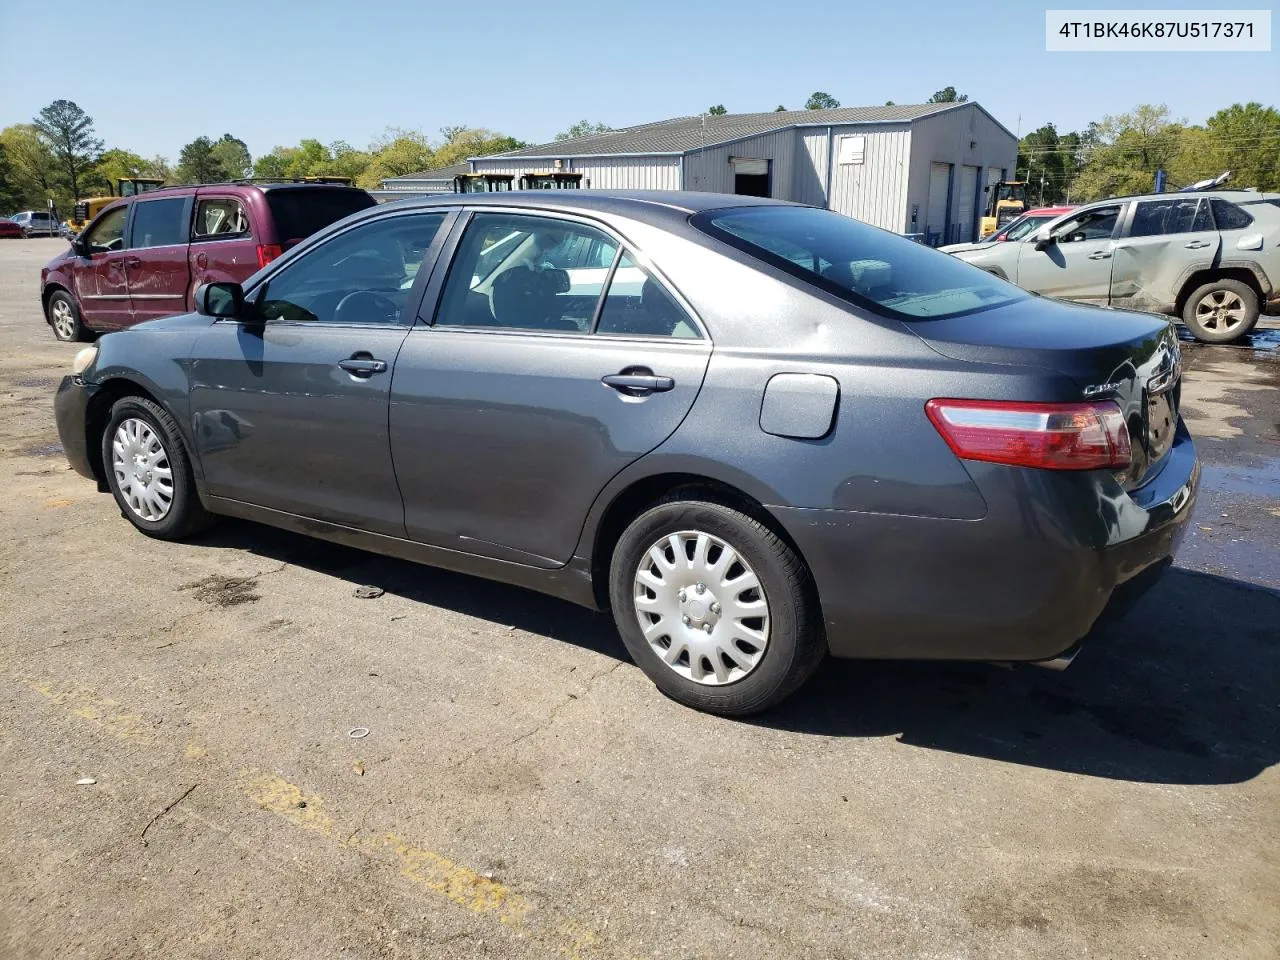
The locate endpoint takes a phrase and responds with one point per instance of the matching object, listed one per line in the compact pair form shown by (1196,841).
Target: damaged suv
(1210,258)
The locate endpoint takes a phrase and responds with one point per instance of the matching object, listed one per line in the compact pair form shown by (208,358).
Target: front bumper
(1026,582)
(71,407)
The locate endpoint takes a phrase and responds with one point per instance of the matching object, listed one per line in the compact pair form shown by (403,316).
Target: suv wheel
(1221,311)
(716,609)
(64,317)
(149,472)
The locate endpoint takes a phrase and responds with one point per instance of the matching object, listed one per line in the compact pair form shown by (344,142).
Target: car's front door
(289,408)
(101,280)
(157,265)
(1164,242)
(1077,265)
(533,385)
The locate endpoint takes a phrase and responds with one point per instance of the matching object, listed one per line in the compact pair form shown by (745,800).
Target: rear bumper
(1026,582)
(70,407)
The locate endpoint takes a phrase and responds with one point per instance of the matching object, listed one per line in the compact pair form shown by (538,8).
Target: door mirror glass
(220,300)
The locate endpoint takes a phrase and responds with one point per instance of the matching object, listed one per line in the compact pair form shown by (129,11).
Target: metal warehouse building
(912,169)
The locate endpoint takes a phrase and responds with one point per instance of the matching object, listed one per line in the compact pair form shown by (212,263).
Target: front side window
(159,223)
(1098,223)
(1153,218)
(220,218)
(361,276)
(1228,216)
(526,273)
(108,233)
(859,263)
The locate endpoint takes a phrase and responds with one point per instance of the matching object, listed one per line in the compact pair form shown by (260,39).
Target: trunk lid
(1132,358)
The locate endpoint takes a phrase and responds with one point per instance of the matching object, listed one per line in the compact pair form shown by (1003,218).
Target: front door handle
(638,382)
(1100,255)
(363,366)
(1196,244)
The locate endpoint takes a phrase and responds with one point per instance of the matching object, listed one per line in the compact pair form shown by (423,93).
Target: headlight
(84,360)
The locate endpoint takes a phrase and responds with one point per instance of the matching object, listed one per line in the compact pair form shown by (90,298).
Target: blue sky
(154,75)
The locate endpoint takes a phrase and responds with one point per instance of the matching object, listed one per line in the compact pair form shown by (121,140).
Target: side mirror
(78,245)
(1044,238)
(220,300)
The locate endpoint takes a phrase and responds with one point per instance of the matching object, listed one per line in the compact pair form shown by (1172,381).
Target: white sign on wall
(853,150)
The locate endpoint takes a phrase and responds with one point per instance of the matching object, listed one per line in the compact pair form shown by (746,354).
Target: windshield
(860,263)
(298,213)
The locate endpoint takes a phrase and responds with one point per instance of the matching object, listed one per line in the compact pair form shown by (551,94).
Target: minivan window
(159,223)
(108,233)
(863,264)
(298,213)
(220,217)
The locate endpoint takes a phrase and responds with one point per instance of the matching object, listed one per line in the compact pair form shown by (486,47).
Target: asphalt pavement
(214,749)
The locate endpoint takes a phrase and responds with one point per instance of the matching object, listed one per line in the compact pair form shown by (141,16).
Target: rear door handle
(1100,255)
(638,384)
(363,366)
(1197,244)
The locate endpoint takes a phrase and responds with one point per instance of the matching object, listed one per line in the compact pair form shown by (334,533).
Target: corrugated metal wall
(946,138)
(710,170)
(874,191)
(623,173)
(810,181)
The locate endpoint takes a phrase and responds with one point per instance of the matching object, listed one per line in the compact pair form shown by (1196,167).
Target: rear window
(300,213)
(859,263)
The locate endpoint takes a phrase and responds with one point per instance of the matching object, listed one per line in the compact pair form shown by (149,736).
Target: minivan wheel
(1221,311)
(714,607)
(64,317)
(149,472)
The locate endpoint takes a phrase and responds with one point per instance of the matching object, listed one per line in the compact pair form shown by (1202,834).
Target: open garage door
(966,229)
(935,224)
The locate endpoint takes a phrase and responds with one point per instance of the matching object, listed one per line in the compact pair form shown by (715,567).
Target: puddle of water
(1257,340)
(1252,481)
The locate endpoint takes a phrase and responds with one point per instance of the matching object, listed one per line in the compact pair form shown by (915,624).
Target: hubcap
(64,324)
(142,471)
(1220,311)
(701,608)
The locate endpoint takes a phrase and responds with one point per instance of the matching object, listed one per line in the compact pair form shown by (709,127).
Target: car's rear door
(158,274)
(223,245)
(1162,242)
(290,413)
(509,413)
(1077,265)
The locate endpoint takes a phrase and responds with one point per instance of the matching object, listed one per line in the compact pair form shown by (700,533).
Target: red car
(10,230)
(142,257)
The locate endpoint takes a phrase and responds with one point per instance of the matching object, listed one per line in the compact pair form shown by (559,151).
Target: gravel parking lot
(523,791)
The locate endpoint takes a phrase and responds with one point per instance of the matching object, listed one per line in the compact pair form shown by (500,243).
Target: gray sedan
(757,432)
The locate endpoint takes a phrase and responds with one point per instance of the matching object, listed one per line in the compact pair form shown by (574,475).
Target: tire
(1221,311)
(64,318)
(762,659)
(169,511)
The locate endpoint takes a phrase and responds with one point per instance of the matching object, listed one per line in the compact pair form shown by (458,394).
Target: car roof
(1240,196)
(183,189)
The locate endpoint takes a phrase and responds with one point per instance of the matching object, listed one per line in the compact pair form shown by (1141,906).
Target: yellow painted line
(426,869)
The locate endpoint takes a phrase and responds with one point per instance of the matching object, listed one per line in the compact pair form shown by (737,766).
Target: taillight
(268,252)
(1052,436)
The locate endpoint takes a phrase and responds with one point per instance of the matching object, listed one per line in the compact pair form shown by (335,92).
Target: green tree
(948,95)
(718,110)
(34,169)
(1242,138)
(779,109)
(462,143)
(1049,163)
(68,132)
(197,163)
(819,100)
(232,155)
(1125,150)
(583,128)
(890,103)
(10,192)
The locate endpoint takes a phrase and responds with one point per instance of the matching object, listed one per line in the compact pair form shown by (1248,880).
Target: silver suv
(1211,258)
(37,223)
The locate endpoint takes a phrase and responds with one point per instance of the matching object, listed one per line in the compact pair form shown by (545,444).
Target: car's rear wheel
(1221,311)
(149,472)
(64,317)
(716,608)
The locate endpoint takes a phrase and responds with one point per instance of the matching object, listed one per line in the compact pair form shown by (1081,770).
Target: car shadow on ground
(1184,690)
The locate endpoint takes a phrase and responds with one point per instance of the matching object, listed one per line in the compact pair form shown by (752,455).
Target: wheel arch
(98,412)
(1209,274)
(50,288)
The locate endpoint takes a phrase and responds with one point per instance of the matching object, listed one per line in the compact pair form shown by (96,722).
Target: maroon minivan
(142,257)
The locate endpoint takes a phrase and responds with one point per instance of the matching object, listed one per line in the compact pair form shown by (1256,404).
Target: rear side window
(859,263)
(1153,218)
(220,218)
(298,213)
(637,305)
(159,223)
(1228,216)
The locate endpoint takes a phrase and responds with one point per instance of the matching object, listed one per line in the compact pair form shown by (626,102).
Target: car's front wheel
(1221,311)
(64,317)
(716,608)
(149,471)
